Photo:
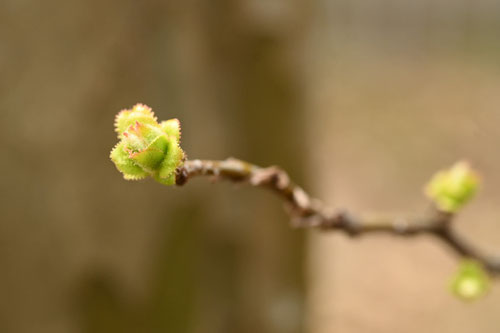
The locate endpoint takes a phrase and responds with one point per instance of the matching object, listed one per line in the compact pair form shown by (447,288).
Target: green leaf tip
(139,113)
(470,282)
(451,189)
(146,147)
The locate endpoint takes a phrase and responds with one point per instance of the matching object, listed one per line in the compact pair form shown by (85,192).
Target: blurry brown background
(361,101)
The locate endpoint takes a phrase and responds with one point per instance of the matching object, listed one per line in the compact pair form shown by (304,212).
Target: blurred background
(361,101)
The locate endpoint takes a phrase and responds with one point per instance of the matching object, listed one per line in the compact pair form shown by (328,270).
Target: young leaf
(139,113)
(125,165)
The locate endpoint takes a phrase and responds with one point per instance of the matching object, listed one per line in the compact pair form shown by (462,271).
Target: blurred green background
(361,101)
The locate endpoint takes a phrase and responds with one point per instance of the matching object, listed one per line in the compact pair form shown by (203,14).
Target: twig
(307,212)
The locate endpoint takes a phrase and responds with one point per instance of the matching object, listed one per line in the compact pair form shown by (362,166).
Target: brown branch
(307,212)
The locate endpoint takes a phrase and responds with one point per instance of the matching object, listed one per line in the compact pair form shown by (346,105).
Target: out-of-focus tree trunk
(250,73)
(93,253)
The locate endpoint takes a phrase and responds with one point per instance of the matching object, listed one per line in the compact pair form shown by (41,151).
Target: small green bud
(470,282)
(147,148)
(452,189)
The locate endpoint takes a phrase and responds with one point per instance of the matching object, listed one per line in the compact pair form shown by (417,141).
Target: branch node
(181,176)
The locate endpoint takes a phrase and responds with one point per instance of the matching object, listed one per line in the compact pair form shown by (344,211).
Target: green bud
(470,282)
(147,148)
(451,189)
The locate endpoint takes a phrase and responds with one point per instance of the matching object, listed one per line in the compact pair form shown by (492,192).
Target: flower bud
(452,189)
(147,148)
(470,282)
